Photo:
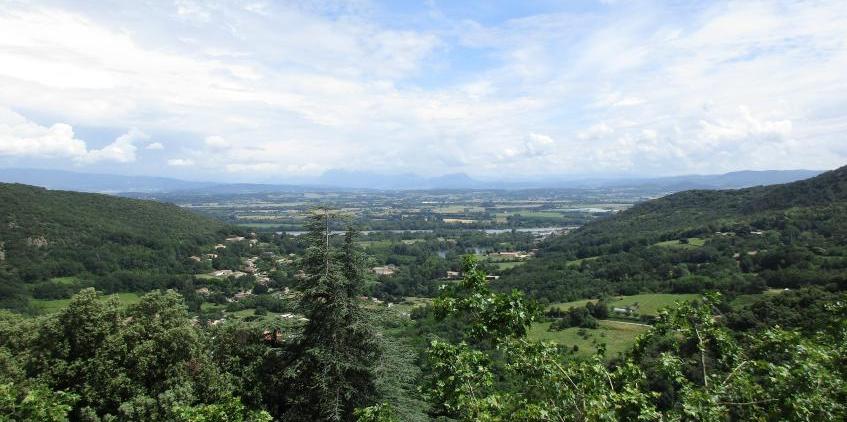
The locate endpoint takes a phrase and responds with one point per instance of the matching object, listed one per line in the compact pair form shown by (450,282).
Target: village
(252,276)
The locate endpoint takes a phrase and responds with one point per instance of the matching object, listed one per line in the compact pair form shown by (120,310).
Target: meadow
(55,305)
(618,336)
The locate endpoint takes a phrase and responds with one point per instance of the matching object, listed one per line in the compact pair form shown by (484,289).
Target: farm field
(648,303)
(618,336)
(577,262)
(742,300)
(55,305)
(693,242)
(502,266)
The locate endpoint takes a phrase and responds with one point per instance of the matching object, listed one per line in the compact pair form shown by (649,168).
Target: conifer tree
(334,357)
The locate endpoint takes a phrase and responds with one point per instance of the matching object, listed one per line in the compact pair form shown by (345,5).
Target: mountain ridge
(346,179)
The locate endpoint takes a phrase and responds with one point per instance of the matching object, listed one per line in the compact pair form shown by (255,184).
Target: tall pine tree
(334,357)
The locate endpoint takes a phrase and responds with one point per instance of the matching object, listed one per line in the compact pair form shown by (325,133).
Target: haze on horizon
(268,91)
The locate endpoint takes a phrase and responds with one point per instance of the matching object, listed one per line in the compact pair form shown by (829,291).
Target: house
(274,337)
(512,255)
(622,310)
(220,246)
(194,258)
(211,255)
(242,295)
(452,275)
(387,270)
(203,291)
(234,238)
(226,273)
(491,277)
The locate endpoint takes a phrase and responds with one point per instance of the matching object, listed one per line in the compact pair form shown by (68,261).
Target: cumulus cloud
(121,151)
(21,137)
(155,146)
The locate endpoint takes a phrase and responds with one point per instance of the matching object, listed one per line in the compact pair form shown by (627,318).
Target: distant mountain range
(92,182)
(344,179)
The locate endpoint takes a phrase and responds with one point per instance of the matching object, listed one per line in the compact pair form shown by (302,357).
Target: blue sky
(273,91)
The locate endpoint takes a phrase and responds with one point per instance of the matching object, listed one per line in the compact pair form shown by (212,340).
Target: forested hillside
(46,234)
(734,240)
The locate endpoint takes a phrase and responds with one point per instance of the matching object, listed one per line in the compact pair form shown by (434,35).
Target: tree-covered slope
(47,234)
(777,235)
(695,210)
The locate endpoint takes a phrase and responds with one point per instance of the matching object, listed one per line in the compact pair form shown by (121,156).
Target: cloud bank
(264,90)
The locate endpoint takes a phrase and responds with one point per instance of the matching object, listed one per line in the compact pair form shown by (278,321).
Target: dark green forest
(733,241)
(114,244)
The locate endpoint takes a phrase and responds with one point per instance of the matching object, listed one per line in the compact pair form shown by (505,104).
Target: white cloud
(120,151)
(155,146)
(180,162)
(265,88)
(216,142)
(595,131)
(21,137)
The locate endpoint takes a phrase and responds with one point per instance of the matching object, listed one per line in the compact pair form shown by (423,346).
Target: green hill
(46,234)
(733,240)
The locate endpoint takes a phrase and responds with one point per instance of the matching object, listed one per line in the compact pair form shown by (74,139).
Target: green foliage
(36,403)
(493,316)
(377,413)
(689,366)
(230,410)
(542,383)
(333,359)
(135,363)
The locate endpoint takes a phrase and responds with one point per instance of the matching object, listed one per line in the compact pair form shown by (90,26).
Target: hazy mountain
(345,179)
(90,182)
(370,180)
(733,180)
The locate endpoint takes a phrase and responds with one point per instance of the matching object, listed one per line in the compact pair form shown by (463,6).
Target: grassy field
(502,266)
(743,300)
(410,303)
(55,305)
(648,303)
(618,336)
(531,214)
(693,242)
(374,243)
(577,262)
(65,280)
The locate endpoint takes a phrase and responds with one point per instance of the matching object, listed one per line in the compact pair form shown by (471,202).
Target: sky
(285,90)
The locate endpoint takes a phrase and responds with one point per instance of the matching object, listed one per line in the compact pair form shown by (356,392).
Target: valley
(603,273)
